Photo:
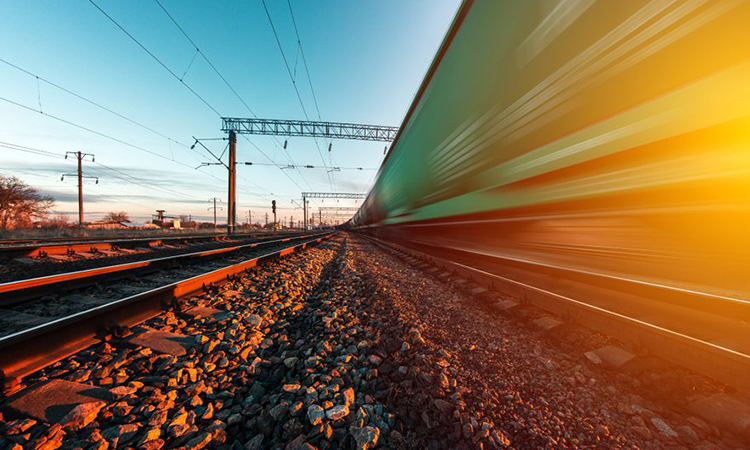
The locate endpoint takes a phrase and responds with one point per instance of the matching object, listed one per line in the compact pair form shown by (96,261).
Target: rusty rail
(15,292)
(61,246)
(30,350)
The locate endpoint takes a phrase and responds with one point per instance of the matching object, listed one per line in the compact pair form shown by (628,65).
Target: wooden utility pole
(214,207)
(80,156)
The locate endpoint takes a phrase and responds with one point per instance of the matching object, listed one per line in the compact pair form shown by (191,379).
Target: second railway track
(52,322)
(30,302)
(38,259)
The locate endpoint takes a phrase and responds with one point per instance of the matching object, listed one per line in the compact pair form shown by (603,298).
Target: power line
(98,105)
(129,178)
(234,91)
(294,83)
(171,72)
(90,130)
(309,166)
(198,50)
(312,89)
(155,58)
(304,60)
(141,182)
(82,127)
(20,148)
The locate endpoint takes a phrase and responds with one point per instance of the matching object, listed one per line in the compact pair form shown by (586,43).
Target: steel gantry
(302,128)
(345,195)
(307,128)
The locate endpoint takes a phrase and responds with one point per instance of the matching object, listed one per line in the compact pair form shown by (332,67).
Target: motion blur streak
(585,137)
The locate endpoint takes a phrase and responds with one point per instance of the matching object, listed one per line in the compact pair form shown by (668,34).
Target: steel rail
(14,292)
(27,351)
(711,359)
(61,246)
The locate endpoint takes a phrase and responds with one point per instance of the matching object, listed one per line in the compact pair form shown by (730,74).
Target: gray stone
(254,443)
(337,412)
(315,414)
(81,415)
(663,427)
(366,437)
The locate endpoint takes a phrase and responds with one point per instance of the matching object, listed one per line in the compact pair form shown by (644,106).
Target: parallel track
(33,248)
(15,292)
(26,351)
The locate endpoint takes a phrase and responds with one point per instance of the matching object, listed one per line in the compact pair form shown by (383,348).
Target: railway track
(15,292)
(36,262)
(46,319)
(702,331)
(35,248)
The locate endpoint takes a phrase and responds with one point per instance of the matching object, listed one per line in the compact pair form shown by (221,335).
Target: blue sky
(366,60)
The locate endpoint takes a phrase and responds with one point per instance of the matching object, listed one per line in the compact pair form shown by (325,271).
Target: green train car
(608,137)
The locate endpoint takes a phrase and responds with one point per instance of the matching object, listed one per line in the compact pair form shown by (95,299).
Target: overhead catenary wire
(304,59)
(94,103)
(115,139)
(310,166)
(294,83)
(99,105)
(130,178)
(309,81)
(226,82)
(161,63)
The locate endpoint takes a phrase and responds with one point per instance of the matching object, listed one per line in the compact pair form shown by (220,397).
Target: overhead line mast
(303,128)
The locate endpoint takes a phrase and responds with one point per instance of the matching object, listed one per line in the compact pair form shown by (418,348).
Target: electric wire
(138,181)
(90,130)
(294,83)
(96,104)
(309,166)
(165,67)
(309,81)
(107,136)
(226,82)
(304,60)
(156,58)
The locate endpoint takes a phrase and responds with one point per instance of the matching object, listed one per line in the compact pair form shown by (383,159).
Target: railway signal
(273,209)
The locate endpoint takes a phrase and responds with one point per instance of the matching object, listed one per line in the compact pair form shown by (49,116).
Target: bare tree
(186,222)
(57,221)
(117,216)
(21,204)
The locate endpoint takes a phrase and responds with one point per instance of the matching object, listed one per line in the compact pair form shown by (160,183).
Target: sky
(365,59)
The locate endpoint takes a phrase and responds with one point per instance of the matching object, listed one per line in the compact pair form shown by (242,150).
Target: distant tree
(117,216)
(185,222)
(56,222)
(21,204)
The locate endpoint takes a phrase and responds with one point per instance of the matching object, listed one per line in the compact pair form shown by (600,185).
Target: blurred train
(608,137)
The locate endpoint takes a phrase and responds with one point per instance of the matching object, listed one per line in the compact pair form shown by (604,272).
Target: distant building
(139,226)
(105,225)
